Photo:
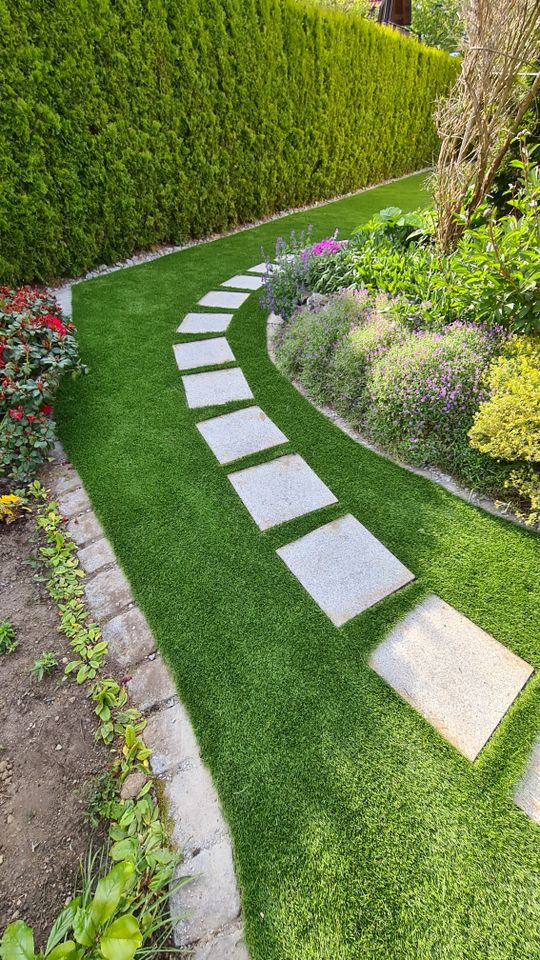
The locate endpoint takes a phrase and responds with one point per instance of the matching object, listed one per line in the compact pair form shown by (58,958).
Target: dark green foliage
(128,123)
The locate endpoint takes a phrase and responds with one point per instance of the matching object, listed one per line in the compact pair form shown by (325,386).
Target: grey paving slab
(223,298)
(344,568)
(151,685)
(527,791)
(240,433)
(85,528)
(193,805)
(457,676)
(202,353)
(259,268)
(216,387)
(205,323)
(96,556)
(228,944)
(280,490)
(74,502)
(210,901)
(243,281)
(129,637)
(107,593)
(171,738)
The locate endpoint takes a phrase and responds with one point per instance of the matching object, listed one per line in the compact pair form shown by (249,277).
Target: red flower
(16,414)
(31,418)
(46,408)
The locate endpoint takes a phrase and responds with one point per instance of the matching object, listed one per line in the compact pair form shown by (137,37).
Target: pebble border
(211,926)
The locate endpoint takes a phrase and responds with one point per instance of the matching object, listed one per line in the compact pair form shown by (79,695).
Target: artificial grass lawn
(358,831)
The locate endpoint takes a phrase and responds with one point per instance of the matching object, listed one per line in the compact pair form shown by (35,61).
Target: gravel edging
(209,906)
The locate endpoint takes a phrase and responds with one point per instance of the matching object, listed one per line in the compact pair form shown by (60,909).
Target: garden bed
(50,762)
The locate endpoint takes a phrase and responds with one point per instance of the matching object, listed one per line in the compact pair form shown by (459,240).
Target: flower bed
(37,346)
(424,354)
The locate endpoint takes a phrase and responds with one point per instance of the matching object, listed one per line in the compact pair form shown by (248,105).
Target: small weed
(8,643)
(44,665)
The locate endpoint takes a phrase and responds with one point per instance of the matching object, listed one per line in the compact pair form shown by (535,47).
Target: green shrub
(507,424)
(129,123)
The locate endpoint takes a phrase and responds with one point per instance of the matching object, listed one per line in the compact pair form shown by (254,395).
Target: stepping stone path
(344,568)
(216,388)
(456,675)
(205,323)
(459,678)
(203,353)
(280,490)
(240,434)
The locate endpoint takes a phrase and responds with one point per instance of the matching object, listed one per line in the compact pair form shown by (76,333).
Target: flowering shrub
(507,424)
(36,347)
(300,267)
(424,391)
(308,344)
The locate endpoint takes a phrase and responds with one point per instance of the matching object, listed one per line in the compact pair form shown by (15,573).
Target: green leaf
(62,924)
(17,942)
(84,928)
(64,950)
(126,849)
(122,939)
(110,890)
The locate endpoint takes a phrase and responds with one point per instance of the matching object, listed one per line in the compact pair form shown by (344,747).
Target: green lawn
(358,831)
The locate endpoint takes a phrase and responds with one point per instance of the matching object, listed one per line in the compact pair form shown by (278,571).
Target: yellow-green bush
(507,425)
(125,123)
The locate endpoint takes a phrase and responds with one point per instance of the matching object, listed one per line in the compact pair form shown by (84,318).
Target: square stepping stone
(216,387)
(240,433)
(244,282)
(202,353)
(344,568)
(223,298)
(259,268)
(205,323)
(457,676)
(280,490)
(527,791)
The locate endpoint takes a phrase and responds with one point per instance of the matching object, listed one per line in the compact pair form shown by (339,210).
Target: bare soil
(49,761)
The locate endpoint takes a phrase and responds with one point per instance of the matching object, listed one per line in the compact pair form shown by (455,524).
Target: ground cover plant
(358,831)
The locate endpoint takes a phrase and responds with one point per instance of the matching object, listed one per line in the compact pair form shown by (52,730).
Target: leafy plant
(8,642)
(36,348)
(507,424)
(44,665)
(12,507)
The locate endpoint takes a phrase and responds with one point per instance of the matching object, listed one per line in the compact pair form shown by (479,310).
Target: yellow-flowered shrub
(507,425)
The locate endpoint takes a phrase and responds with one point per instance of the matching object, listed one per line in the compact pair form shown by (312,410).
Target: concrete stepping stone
(527,791)
(239,434)
(457,676)
(280,490)
(244,282)
(344,568)
(205,323)
(223,298)
(259,268)
(216,387)
(202,353)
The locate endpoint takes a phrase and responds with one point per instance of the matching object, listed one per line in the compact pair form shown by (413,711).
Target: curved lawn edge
(340,800)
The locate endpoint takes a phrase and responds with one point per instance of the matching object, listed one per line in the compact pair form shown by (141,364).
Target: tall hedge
(124,123)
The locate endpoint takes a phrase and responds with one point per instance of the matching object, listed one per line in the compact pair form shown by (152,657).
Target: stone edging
(211,926)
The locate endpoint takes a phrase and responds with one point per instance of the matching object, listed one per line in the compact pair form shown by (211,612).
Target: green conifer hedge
(125,123)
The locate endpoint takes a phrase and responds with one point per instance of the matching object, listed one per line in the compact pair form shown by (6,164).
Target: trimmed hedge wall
(125,123)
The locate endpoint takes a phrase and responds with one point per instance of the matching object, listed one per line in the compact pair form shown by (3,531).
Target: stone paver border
(209,906)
